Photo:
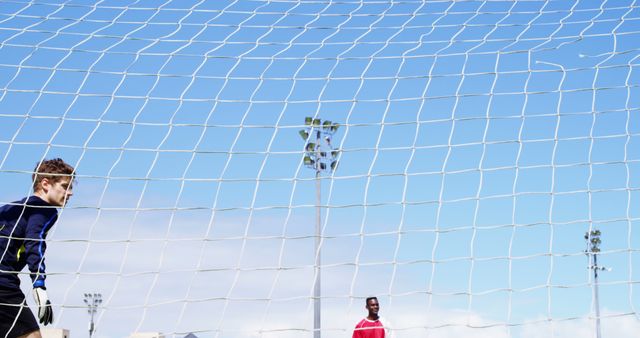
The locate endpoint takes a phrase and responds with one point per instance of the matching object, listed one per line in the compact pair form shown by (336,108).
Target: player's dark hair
(366,301)
(53,170)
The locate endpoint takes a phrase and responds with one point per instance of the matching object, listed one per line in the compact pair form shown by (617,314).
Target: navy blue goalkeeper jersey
(23,228)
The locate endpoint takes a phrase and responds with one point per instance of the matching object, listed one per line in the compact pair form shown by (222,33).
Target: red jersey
(369,329)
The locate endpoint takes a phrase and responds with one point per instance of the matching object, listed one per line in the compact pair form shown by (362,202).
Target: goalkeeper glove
(45,312)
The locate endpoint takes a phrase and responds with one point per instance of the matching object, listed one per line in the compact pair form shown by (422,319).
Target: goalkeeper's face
(57,193)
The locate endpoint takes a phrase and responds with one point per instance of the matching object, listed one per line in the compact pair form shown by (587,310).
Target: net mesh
(478,141)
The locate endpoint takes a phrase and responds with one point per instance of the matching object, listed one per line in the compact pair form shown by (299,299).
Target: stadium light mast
(593,248)
(93,300)
(322,158)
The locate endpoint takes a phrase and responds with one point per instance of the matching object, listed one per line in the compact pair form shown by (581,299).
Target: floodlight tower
(593,248)
(93,300)
(322,158)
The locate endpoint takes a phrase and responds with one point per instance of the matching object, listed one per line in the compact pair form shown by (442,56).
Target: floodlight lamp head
(308,120)
(326,125)
(592,234)
(310,146)
(308,161)
(304,134)
(316,122)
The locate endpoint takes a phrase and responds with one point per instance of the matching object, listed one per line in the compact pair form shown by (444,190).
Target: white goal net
(476,143)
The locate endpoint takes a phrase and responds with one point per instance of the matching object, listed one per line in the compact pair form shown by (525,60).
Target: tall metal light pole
(92,300)
(593,248)
(321,157)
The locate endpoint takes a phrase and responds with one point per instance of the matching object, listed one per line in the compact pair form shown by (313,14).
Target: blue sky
(479,141)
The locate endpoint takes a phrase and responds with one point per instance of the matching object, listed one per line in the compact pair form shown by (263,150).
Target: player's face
(373,307)
(57,193)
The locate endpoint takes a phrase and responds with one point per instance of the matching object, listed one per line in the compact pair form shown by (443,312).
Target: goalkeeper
(24,226)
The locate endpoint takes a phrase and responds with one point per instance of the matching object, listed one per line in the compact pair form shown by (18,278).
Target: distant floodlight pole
(321,157)
(92,300)
(593,248)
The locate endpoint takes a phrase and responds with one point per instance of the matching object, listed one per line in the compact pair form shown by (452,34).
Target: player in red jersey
(371,326)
